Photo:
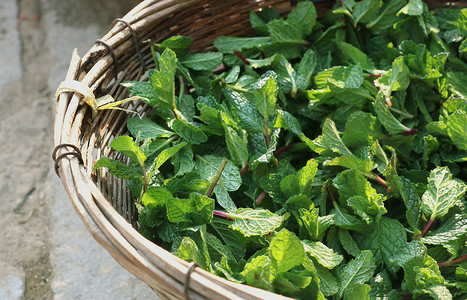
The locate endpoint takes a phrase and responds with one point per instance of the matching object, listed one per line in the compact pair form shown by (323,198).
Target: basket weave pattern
(102,200)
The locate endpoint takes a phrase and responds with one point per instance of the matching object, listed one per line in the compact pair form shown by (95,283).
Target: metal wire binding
(135,41)
(114,57)
(76,153)
(191,268)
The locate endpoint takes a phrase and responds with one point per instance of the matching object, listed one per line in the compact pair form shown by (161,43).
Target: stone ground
(45,250)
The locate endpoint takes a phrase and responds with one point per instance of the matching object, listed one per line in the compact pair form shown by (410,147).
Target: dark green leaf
(118,169)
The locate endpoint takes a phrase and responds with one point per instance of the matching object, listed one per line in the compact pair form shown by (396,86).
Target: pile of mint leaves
(325,159)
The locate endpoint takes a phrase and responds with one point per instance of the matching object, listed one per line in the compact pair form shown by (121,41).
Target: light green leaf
(348,242)
(310,221)
(162,80)
(352,162)
(396,79)
(189,251)
(357,271)
(245,111)
(227,44)
(197,209)
(327,282)
(306,176)
(303,15)
(355,56)
(265,62)
(462,21)
(126,145)
(146,129)
(408,191)
(413,8)
(452,229)
(361,129)
(285,252)
(265,95)
(343,77)
(183,161)
(305,69)
(324,256)
(163,157)
(257,272)
(457,129)
(237,143)
(253,222)
(188,132)
(331,139)
(392,125)
(442,192)
(388,237)
(206,61)
(179,44)
(358,292)
(118,169)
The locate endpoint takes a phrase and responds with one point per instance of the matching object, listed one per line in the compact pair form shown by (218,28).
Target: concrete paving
(46,252)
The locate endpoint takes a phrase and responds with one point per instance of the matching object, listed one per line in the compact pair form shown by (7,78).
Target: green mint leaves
(322,159)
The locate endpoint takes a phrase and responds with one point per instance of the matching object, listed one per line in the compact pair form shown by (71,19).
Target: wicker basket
(102,200)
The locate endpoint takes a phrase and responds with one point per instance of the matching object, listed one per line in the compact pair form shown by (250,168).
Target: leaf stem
(217,177)
(182,88)
(404,114)
(260,198)
(426,229)
(266,133)
(146,179)
(221,214)
(243,58)
(331,194)
(283,149)
(455,261)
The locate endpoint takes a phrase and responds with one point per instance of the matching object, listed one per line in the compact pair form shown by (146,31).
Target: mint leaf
(237,143)
(348,242)
(179,44)
(126,145)
(146,129)
(252,222)
(354,56)
(343,77)
(197,209)
(245,111)
(188,132)
(357,292)
(442,192)
(257,272)
(361,129)
(323,255)
(162,80)
(163,157)
(331,139)
(453,229)
(408,191)
(207,61)
(351,184)
(413,8)
(189,251)
(183,161)
(285,252)
(118,169)
(387,238)
(392,125)
(229,181)
(265,96)
(397,78)
(457,129)
(227,44)
(303,15)
(327,282)
(357,271)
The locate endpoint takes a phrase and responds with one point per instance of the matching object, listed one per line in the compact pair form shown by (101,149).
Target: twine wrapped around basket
(102,201)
